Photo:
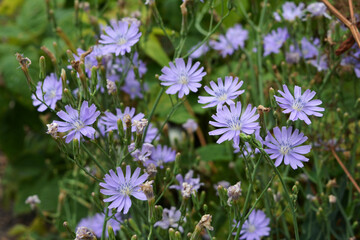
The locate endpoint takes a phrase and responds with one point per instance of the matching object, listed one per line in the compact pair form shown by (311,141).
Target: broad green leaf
(215,152)
(154,50)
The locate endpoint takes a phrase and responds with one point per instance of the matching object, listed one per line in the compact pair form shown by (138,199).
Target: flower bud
(111,233)
(42,66)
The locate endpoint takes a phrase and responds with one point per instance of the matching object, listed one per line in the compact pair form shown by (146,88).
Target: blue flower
(291,11)
(161,155)
(110,120)
(182,78)
(119,38)
(308,49)
(193,182)
(120,188)
(300,105)
(49,91)
(95,223)
(78,123)
(255,227)
(274,41)
(231,122)
(222,93)
(286,146)
(170,217)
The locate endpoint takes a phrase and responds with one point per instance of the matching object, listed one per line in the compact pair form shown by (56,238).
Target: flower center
(78,124)
(298,104)
(183,79)
(125,189)
(52,93)
(122,41)
(251,228)
(221,95)
(284,149)
(235,124)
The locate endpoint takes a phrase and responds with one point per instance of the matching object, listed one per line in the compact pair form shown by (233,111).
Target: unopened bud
(42,66)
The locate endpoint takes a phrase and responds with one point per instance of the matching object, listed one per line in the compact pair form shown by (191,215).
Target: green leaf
(215,152)
(154,50)
(32,18)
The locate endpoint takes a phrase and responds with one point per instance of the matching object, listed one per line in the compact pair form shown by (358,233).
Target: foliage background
(33,162)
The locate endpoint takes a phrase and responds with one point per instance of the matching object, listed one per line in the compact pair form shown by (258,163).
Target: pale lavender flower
(291,11)
(142,154)
(133,88)
(237,36)
(231,122)
(161,155)
(52,90)
(182,78)
(222,92)
(320,63)
(255,227)
(120,37)
(317,9)
(277,16)
(293,56)
(223,183)
(353,60)
(170,217)
(120,188)
(301,105)
(190,125)
(223,45)
(110,120)
(274,41)
(309,50)
(151,133)
(286,146)
(78,122)
(95,223)
(200,51)
(194,183)
(32,201)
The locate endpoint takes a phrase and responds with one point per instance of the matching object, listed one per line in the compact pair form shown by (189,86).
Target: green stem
(169,115)
(104,224)
(162,90)
(93,158)
(247,199)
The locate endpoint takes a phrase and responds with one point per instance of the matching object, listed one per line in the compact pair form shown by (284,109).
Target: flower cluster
(234,39)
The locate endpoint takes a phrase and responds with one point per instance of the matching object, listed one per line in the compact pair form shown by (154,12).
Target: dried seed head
(110,86)
(147,188)
(205,222)
(187,189)
(151,170)
(52,129)
(140,125)
(234,193)
(84,233)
